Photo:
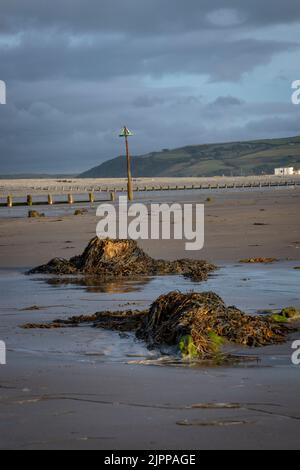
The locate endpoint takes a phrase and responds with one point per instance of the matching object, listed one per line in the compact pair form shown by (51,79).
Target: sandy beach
(86,389)
(230,230)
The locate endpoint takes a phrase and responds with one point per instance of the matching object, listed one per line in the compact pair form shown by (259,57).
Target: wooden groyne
(50,200)
(215,186)
(94,196)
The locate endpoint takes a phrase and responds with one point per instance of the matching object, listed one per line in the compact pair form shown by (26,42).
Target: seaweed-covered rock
(123,258)
(206,320)
(198,324)
(35,215)
(287,315)
(80,211)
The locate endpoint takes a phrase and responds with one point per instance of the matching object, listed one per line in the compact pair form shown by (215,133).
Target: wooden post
(92,197)
(9,201)
(50,200)
(70,199)
(129,176)
(113,196)
(29,200)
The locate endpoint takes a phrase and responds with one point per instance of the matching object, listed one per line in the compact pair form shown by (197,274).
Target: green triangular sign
(125,132)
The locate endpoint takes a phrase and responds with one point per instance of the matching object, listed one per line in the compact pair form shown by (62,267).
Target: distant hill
(236,158)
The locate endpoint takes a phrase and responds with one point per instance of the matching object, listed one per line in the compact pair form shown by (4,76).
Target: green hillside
(236,158)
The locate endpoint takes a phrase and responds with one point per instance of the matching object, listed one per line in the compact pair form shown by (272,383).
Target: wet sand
(56,405)
(230,230)
(59,401)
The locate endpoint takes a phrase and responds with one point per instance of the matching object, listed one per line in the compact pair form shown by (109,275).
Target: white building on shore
(289,171)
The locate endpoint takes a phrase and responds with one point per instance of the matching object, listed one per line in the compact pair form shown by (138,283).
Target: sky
(175,72)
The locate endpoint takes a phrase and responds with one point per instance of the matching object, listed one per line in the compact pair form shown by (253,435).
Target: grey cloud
(227,101)
(278,126)
(65,133)
(53,57)
(136,16)
(147,101)
(77,70)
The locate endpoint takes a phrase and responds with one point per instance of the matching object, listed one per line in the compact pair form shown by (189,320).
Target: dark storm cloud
(139,16)
(54,56)
(101,39)
(76,70)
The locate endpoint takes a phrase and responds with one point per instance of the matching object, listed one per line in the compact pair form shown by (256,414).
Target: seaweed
(35,215)
(289,314)
(80,211)
(123,258)
(258,260)
(209,322)
(197,324)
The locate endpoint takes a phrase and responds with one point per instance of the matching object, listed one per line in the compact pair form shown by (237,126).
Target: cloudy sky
(176,72)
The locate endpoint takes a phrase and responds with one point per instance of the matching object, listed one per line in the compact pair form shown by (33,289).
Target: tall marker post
(126,133)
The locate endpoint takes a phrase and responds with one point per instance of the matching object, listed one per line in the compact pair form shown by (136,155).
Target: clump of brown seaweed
(35,215)
(123,258)
(202,323)
(198,324)
(80,211)
(259,260)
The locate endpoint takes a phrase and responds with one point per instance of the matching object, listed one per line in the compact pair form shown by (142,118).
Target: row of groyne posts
(51,200)
(69,198)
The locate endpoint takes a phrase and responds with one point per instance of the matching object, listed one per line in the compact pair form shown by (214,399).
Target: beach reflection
(95,285)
